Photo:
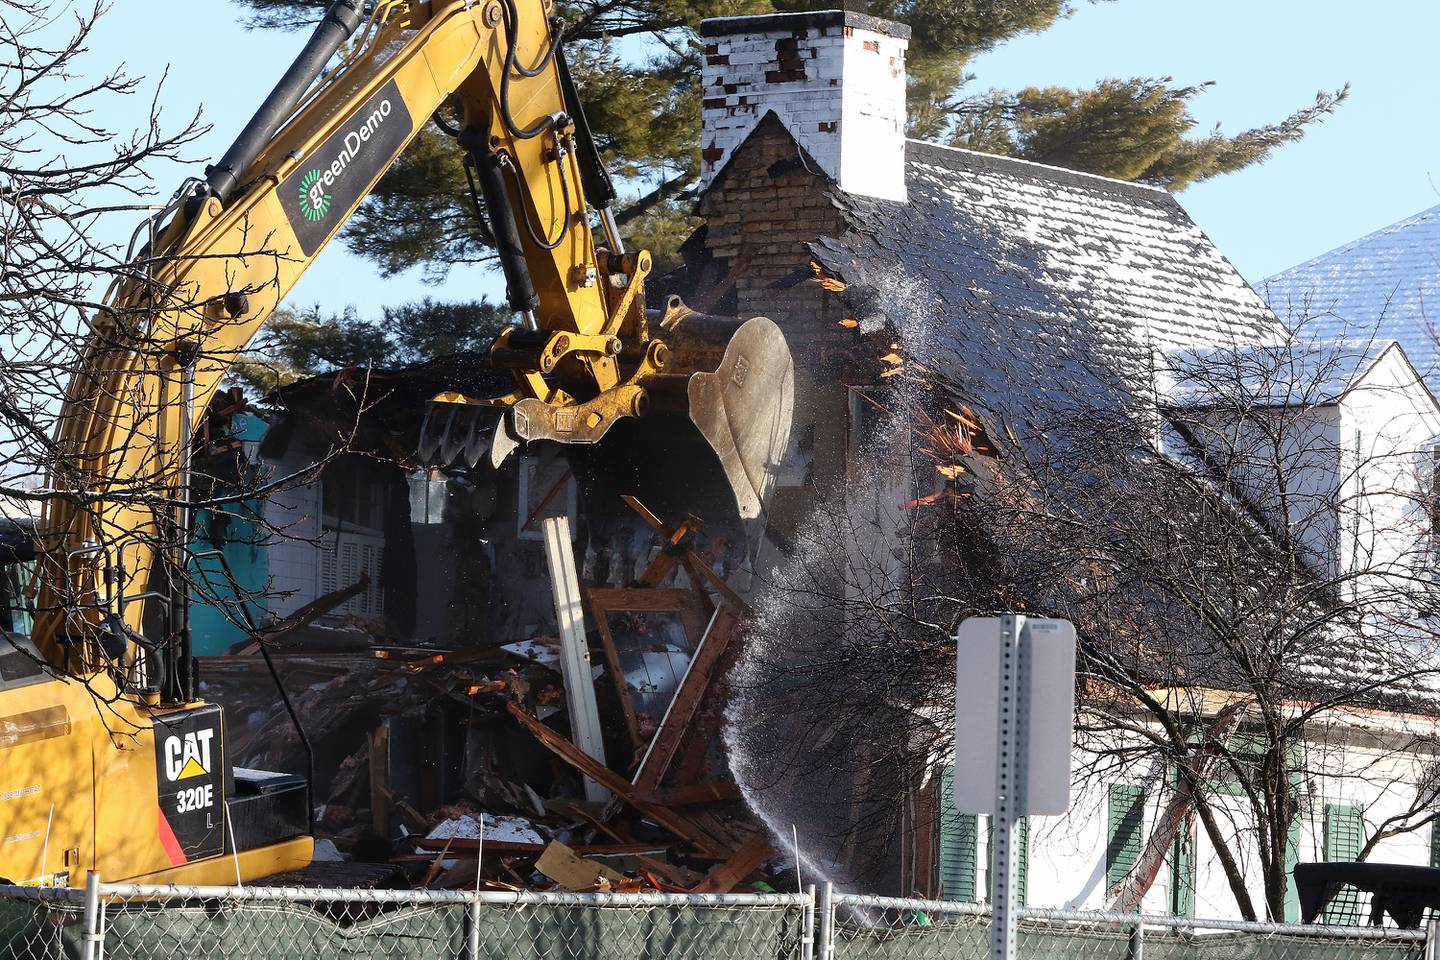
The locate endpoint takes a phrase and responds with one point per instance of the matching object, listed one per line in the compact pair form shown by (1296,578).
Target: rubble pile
(461,767)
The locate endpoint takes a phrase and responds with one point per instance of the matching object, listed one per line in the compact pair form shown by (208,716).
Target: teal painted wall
(214,604)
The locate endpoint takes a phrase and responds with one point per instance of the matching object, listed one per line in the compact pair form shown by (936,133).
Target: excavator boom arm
(218,269)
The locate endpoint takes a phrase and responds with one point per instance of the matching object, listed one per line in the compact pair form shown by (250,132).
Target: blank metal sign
(1046,715)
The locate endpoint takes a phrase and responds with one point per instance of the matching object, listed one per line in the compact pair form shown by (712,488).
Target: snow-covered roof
(1385,285)
(1028,292)
(1000,272)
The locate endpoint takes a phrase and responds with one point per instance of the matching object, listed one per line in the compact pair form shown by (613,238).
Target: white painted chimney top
(834,78)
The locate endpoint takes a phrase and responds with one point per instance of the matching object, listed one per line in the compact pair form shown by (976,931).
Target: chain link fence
(128,922)
(877,928)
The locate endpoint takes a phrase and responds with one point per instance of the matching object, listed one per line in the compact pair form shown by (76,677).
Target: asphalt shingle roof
(1001,272)
(1385,285)
(1025,289)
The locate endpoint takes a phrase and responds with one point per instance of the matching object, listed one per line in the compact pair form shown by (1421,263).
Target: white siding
(295,516)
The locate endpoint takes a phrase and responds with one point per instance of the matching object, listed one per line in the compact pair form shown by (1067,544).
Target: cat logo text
(188,756)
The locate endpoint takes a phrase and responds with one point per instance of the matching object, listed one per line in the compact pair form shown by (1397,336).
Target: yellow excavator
(109,760)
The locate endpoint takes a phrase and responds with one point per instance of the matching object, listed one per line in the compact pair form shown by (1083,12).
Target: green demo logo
(314,201)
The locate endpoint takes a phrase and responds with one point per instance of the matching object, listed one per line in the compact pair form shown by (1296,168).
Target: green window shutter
(1435,843)
(958,836)
(1022,860)
(1344,834)
(1182,872)
(1344,831)
(1125,836)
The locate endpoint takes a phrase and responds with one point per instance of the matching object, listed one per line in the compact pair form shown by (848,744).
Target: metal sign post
(1007,785)
(1014,726)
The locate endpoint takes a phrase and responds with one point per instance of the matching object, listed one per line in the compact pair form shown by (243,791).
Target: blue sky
(1366,167)
(1377,160)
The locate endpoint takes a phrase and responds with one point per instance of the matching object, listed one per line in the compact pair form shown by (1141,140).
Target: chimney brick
(834,78)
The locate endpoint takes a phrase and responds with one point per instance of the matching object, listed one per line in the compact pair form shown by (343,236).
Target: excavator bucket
(740,397)
(728,383)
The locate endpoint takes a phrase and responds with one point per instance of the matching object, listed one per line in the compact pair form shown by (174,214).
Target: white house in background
(1385,285)
(1366,430)
(986,272)
(1078,860)
(1358,428)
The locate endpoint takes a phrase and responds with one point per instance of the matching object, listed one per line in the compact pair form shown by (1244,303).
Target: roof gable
(1307,374)
(1383,284)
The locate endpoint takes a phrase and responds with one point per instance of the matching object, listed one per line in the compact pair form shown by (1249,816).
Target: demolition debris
(458,768)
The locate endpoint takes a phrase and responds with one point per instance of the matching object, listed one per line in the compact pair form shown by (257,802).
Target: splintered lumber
(545,500)
(699,567)
(443,658)
(677,877)
(723,876)
(466,845)
(671,732)
(570,870)
(435,867)
(607,600)
(672,552)
(679,825)
(679,551)
(634,504)
(307,614)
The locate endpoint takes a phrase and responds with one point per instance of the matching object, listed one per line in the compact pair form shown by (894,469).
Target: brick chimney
(834,78)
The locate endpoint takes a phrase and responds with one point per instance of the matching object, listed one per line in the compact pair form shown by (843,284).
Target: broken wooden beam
(607,600)
(306,615)
(695,566)
(671,732)
(723,877)
(679,825)
(677,877)
(675,550)
(678,550)
(545,501)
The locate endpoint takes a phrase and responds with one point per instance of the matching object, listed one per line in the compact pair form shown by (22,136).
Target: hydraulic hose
(535,236)
(512,19)
(599,190)
(340,21)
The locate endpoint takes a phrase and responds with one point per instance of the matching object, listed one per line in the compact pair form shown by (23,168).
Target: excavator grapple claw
(457,431)
(733,382)
(740,401)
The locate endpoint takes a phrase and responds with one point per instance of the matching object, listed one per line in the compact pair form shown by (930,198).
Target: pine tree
(646,118)
(297,343)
